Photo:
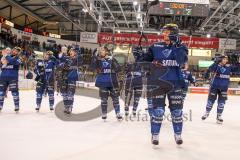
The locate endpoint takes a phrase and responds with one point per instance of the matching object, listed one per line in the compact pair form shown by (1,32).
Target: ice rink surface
(42,136)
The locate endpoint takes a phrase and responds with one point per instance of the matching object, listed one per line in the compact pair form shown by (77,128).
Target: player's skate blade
(178,139)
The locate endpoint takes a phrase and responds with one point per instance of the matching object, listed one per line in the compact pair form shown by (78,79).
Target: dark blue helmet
(218,59)
(174,32)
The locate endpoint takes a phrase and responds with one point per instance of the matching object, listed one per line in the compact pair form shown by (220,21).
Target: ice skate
(51,108)
(69,111)
(205,116)
(178,139)
(219,119)
(16,110)
(119,117)
(65,110)
(155,140)
(37,108)
(134,113)
(104,117)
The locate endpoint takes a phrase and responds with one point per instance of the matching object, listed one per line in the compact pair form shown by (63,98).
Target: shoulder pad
(159,44)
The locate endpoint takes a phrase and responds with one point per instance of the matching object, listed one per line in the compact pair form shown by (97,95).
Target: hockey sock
(116,105)
(156,120)
(51,99)
(150,106)
(177,121)
(220,108)
(135,103)
(2,96)
(15,95)
(209,106)
(39,99)
(104,105)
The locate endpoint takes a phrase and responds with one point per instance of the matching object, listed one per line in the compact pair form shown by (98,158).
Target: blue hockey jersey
(70,65)
(10,71)
(187,76)
(73,69)
(170,56)
(133,73)
(221,75)
(45,69)
(107,69)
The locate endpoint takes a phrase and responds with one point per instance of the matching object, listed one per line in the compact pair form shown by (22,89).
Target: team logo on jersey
(167,52)
(105,64)
(222,69)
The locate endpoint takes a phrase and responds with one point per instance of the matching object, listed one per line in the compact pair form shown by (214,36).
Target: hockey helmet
(174,32)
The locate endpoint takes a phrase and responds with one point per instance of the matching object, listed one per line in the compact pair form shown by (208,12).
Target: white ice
(41,136)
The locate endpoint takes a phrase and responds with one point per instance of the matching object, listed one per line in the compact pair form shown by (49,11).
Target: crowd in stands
(28,47)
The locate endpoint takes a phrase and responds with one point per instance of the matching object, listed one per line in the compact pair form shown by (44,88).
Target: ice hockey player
(172,55)
(9,76)
(62,55)
(69,75)
(106,80)
(44,70)
(188,79)
(219,86)
(133,86)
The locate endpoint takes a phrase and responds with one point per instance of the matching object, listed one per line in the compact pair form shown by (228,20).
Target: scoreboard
(176,8)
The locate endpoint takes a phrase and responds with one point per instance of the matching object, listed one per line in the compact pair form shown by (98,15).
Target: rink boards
(26,84)
(204,90)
